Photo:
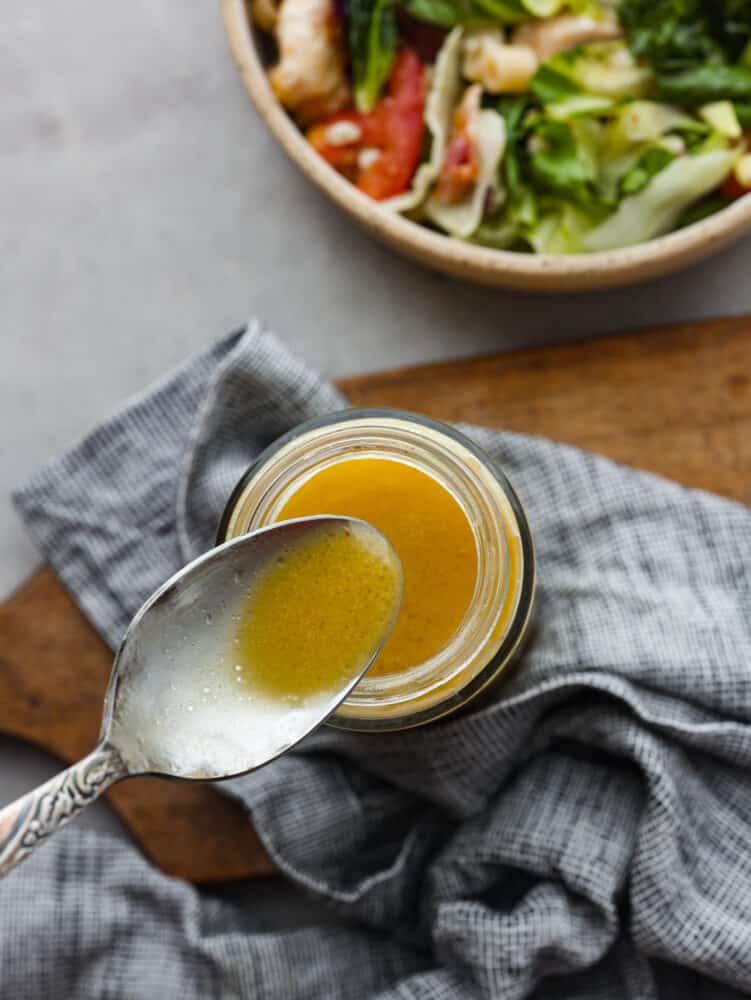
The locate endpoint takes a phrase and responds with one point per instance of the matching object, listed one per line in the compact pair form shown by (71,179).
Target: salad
(545,126)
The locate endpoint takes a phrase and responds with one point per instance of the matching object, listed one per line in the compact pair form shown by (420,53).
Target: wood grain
(46,644)
(674,401)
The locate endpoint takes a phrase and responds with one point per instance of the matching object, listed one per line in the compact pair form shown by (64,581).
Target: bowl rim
(538,271)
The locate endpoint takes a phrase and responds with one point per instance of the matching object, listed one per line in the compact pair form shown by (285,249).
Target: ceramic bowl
(543,273)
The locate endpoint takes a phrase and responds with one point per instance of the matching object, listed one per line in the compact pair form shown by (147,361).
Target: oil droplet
(190,708)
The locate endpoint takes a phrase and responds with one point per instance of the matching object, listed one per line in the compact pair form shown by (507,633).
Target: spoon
(173,707)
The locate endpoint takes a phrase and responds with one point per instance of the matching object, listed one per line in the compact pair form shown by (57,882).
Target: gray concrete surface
(144,210)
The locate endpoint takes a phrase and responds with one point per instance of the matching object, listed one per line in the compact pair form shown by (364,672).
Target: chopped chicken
(500,68)
(309,78)
(560,34)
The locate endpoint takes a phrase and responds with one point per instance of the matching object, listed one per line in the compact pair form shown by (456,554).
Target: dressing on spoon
(228,664)
(316,613)
(270,658)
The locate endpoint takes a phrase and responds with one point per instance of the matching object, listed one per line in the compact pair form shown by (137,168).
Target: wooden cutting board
(675,401)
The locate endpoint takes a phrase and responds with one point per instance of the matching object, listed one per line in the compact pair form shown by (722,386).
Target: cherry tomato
(379,151)
(732,187)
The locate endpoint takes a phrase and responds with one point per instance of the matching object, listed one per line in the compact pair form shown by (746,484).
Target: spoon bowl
(176,705)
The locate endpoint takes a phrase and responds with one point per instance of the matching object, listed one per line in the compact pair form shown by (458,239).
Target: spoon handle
(32,818)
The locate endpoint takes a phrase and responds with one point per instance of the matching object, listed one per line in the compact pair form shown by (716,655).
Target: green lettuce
(602,69)
(649,163)
(450,13)
(658,207)
(564,159)
(552,84)
(483,13)
(372,45)
(562,229)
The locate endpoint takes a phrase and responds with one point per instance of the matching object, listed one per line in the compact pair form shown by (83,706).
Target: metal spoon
(165,711)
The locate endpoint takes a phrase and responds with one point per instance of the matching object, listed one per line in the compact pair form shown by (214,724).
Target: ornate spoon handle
(32,818)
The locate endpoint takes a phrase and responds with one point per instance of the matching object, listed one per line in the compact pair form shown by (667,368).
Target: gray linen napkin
(587,835)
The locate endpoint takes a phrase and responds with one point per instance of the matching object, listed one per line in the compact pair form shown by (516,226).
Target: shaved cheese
(462,218)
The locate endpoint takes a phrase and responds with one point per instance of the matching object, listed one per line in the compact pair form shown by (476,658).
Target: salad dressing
(430,533)
(315,614)
(454,521)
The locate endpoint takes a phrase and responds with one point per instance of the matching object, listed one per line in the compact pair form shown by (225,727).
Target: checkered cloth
(587,835)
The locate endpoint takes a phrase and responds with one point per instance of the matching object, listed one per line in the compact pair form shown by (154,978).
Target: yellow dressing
(431,535)
(317,614)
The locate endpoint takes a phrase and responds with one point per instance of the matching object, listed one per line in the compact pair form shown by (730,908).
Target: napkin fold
(585,835)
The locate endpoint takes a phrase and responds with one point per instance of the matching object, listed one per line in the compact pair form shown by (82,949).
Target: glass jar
(496,620)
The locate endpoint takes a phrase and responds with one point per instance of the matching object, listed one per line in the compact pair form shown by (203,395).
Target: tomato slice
(379,151)
(732,188)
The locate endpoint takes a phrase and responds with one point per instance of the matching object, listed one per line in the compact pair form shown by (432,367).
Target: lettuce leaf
(656,209)
(372,45)
(551,85)
(649,163)
(513,110)
(562,229)
(449,13)
(563,159)
(602,69)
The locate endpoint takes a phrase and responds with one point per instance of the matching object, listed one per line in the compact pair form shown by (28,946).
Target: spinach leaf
(671,34)
(372,45)
(468,13)
(730,24)
(703,84)
(676,35)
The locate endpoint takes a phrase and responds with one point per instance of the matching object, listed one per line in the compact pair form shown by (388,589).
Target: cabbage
(563,158)
(561,230)
(439,108)
(462,218)
(609,69)
(578,105)
(656,209)
(645,121)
